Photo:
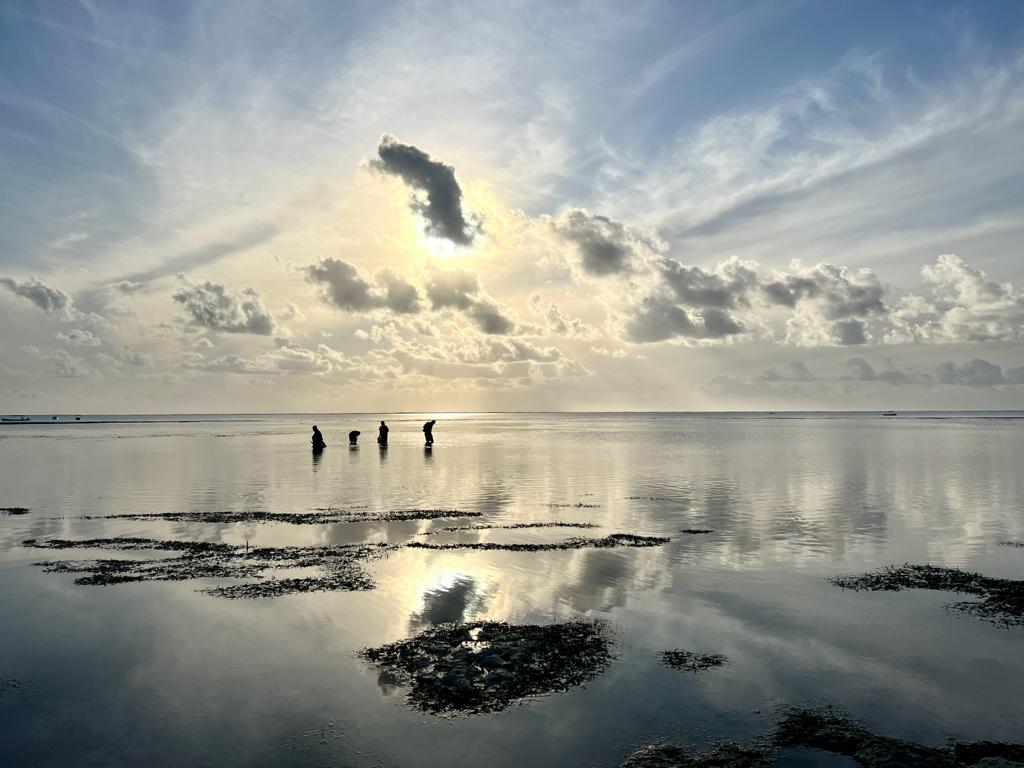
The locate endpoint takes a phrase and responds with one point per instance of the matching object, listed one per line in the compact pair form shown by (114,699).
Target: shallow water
(161,674)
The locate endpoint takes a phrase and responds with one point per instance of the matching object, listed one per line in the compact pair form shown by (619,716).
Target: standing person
(428,431)
(382,434)
(317,440)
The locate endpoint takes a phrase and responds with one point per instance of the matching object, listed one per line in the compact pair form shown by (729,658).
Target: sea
(166,673)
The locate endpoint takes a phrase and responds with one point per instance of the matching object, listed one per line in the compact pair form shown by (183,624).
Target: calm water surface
(159,674)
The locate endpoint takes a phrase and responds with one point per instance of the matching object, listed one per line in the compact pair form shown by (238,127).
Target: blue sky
(183,181)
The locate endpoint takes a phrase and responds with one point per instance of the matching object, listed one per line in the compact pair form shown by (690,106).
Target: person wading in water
(318,440)
(382,434)
(428,431)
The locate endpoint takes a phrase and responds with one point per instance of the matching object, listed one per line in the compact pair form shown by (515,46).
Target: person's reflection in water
(428,431)
(353,437)
(317,456)
(317,440)
(428,454)
(382,435)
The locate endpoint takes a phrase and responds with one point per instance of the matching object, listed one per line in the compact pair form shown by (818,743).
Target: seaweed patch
(696,531)
(1012,543)
(690,661)
(340,565)
(607,542)
(726,755)
(14,510)
(325,515)
(1002,600)
(832,732)
(829,731)
(580,505)
(509,526)
(488,666)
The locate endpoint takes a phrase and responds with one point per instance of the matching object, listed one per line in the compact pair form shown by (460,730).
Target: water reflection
(457,598)
(790,502)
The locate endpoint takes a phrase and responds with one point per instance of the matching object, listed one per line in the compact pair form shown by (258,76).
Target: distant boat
(54,418)
(889,413)
(14,419)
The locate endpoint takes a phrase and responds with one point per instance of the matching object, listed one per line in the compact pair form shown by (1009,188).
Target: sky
(425,206)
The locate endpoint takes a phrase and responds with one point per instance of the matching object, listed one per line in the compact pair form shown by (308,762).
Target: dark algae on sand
(579,542)
(829,731)
(477,667)
(323,516)
(14,510)
(1001,600)
(690,661)
(340,565)
(833,732)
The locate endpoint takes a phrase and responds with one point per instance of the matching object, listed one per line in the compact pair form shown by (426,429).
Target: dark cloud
(455,288)
(726,288)
(212,305)
(660,320)
(606,247)
(850,332)
(459,289)
(976,373)
(39,293)
(442,208)
(346,289)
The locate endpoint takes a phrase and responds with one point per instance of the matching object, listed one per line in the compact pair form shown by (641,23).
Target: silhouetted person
(382,434)
(428,431)
(353,437)
(317,440)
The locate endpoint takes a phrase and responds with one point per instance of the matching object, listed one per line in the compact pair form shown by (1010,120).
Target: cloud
(442,208)
(345,288)
(79,338)
(976,373)
(39,293)
(795,370)
(658,319)
(558,323)
(726,287)
(605,247)
(65,365)
(212,305)
(460,289)
(861,370)
(963,305)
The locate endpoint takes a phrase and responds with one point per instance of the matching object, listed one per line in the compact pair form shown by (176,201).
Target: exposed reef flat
(340,565)
(1002,600)
(832,732)
(727,755)
(508,527)
(487,666)
(828,731)
(606,542)
(690,661)
(318,517)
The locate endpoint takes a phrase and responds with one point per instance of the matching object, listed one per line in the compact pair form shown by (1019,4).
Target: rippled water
(160,674)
